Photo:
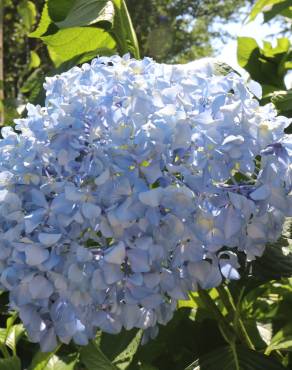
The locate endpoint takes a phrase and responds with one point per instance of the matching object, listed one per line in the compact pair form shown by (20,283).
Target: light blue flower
(136,183)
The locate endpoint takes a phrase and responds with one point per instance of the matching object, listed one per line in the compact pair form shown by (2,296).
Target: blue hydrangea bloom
(136,183)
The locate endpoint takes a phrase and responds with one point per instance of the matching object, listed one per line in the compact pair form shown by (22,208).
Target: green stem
(233,348)
(240,329)
(123,30)
(224,327)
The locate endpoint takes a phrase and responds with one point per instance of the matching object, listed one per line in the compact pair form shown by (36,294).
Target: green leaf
(41,359)
(43,25)
(57,363)
(61,363)
(13,336)
(248,54)
(287,12)
(58,9)
(240,359)
(51,361)
(282,340)
(260,6)
(282,100)
(2,335)
(11,363)
(88,12)
(120,345)
(277,9)
(84,42)
(35,60)
(266,65)
(33,87)
(94,359)
(124,358)
(276,261)
(11,320)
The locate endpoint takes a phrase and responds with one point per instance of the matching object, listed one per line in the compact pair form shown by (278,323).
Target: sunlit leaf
(282,340)
(13,336)
(41,359)
(35,60)
(43,25)
(265,65)
(125,357)
(69,43)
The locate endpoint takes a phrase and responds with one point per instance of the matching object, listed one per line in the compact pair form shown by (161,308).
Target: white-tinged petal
(116,254)
(49,239)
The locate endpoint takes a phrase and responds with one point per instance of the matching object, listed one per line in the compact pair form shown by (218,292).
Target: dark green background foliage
(242,325)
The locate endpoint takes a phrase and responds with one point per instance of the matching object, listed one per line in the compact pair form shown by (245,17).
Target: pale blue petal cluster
(136,183)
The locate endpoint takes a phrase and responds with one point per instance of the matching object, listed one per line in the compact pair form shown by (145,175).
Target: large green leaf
(11,363)
(74,44)
(94,359)
(88,12)
(58,9)
(62,29)
(84,42)
(239,359)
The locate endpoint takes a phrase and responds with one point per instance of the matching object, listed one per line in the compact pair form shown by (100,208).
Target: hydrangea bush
(135,184)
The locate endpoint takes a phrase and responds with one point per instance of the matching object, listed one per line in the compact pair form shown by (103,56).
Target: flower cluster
(136,183)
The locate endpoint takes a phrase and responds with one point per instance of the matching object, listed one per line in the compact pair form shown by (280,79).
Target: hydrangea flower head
(135,184)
